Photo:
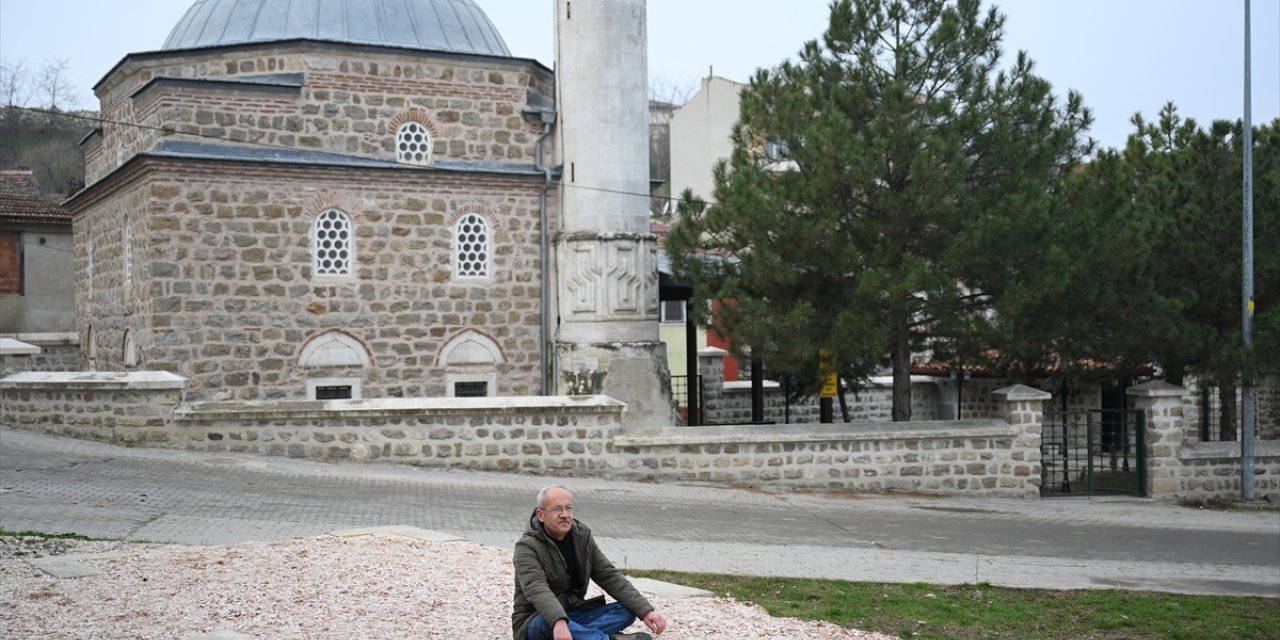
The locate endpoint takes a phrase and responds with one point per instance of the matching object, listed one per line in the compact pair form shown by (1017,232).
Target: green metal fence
(1093,452)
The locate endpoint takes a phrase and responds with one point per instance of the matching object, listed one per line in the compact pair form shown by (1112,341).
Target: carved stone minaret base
(606,258)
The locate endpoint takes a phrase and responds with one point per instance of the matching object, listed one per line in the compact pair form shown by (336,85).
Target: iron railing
(1095,451)
(680,393)
(1219,421)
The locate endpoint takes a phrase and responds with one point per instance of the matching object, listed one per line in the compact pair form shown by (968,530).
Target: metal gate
(1092,452)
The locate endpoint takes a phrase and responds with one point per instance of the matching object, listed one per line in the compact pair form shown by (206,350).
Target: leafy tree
(1189,181)
(871,182)
(1138,261)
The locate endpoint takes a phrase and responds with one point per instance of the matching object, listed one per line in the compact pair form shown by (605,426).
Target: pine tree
(874,184)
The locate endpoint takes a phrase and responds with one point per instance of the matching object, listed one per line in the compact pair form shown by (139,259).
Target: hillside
(47,144)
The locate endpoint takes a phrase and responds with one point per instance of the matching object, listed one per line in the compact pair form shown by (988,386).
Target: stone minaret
(606,258)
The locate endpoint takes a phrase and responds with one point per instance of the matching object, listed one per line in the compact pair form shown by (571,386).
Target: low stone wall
(1181,467)
(573,436)
(49,352)
(561,434)
(1211,471)
(110,406)
(955,457)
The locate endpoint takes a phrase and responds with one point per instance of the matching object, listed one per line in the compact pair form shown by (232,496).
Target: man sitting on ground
(554,560)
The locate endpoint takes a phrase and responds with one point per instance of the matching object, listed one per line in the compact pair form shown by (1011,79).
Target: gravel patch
(381,587)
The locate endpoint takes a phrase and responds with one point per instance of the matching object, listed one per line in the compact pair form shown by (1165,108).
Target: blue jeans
(594,624)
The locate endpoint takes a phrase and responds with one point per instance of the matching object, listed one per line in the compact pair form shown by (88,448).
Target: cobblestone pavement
(58,485)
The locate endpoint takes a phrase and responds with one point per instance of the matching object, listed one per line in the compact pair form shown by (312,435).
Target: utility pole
(1247,391)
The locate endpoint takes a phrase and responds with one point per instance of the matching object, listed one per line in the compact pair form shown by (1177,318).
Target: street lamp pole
(1247,391)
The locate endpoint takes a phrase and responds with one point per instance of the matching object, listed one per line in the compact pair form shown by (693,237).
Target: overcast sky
(1122,55)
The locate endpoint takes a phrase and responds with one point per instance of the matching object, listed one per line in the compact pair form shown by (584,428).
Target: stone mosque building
(373,199)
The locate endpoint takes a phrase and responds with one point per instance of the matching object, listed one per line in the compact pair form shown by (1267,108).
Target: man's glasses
(559,510)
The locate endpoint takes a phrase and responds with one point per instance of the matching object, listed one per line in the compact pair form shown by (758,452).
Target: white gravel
(382,587)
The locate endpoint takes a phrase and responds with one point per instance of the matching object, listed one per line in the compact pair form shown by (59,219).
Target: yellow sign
(830,388)
(827,363)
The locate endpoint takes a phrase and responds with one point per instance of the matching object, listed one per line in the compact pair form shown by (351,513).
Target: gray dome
(457,26)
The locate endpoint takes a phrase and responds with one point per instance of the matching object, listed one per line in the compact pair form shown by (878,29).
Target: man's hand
(655,622)
(561,630)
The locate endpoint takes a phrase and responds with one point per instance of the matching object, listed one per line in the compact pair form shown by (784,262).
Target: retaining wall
(573,436)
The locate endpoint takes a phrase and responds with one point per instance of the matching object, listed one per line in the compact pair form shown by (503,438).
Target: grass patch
(972,612)
(4,533)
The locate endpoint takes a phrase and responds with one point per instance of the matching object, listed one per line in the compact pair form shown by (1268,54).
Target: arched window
(472,240)
(343,357)
(127,241)
(332,244)
(471,362)
(130,350)
(413,144)
(91,350)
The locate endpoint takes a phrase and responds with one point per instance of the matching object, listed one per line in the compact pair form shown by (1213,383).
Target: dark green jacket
(544,586)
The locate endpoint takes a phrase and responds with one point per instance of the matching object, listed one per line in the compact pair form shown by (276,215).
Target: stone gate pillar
(1023,407)
(1162,404)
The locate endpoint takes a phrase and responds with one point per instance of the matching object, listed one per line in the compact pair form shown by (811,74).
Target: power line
(170,131)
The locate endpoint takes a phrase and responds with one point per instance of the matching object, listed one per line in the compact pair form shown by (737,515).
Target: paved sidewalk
(60,485)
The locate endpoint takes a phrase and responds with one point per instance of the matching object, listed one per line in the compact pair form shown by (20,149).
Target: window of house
(777,150)
(10,263)
(334,392)
(332,244)
(672,311)
(471,362)
(91,351)
(128,256)
(413,144)
(88,250)
(477,389)
(472,239)
(334,389)
(130,350)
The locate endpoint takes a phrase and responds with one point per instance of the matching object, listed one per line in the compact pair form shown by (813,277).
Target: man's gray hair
(542,495)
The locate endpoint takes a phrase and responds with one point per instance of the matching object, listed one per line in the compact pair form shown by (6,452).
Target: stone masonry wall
(110,298)
(972,457)
(563,435)
(229,299)
(120,408)
(351,95)
(58,352)
(1183,468)
(574,436)
(1267,395)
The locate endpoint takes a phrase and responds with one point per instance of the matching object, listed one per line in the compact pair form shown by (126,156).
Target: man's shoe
(639,635)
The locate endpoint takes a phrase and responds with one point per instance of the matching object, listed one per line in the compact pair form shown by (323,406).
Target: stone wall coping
(877,382)
(11,347)
(1228,450)
(94,380)
(712,352)
(745,385)
(863,431)
(1157,389)
(47,339)
(329,409)
(1020,392)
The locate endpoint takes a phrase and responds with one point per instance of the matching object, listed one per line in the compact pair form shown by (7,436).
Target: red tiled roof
(21,200)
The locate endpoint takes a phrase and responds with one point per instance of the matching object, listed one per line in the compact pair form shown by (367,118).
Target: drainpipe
(547,118)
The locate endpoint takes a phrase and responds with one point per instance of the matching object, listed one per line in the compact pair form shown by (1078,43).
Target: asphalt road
(58,485)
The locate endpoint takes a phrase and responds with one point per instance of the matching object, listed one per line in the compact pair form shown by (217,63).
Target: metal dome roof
(457,26)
